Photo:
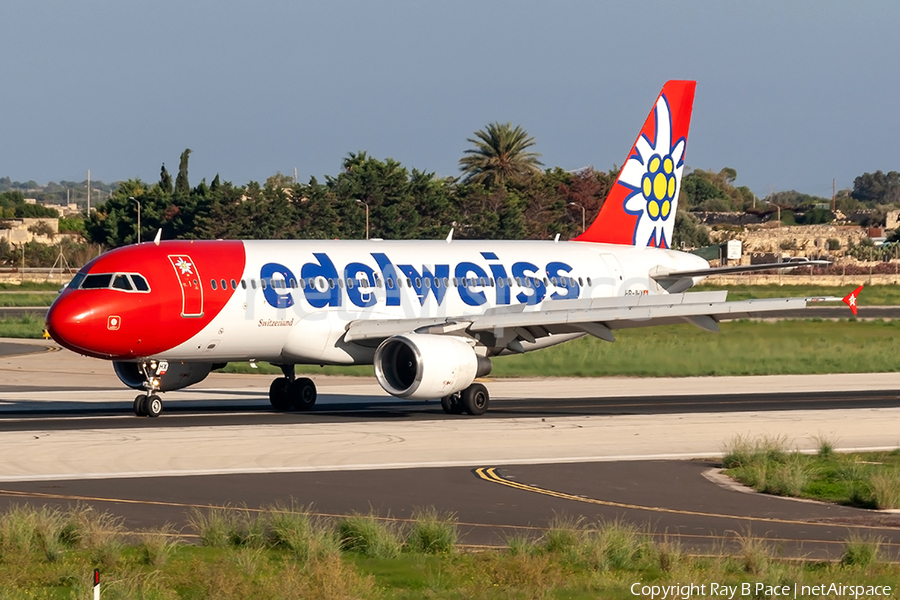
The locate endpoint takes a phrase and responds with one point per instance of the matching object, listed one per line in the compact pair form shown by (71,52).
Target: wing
(506,328)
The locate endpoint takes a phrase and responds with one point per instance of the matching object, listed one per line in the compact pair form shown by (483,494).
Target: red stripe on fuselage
(145,323)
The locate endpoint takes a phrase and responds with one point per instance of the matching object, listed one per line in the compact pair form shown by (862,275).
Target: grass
(27,299)
(575,559)
(865,480)
(28,326)
(875,295)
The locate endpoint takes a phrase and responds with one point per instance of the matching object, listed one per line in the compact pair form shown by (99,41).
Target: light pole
(582,213)
(139,218)
(778,234)
(367,216)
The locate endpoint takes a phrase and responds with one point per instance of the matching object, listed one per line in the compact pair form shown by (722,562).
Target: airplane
(429,314)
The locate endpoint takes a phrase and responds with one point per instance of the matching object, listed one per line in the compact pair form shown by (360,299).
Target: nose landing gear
(149,404)
(291,392)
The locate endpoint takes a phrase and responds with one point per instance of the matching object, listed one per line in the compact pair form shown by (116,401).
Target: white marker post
(96,584)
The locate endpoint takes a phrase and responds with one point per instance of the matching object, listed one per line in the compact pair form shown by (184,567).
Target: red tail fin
(640,208)
(852,299)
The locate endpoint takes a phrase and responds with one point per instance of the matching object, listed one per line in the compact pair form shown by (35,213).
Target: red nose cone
(69,322)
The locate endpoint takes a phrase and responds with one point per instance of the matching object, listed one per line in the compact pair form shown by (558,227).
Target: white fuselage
(314,289)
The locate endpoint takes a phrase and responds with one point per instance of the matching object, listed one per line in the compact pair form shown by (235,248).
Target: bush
(368,535)
(432,532)
(861,551)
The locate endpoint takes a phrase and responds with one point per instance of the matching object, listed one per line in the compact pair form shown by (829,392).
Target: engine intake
(424,366)
(177,376)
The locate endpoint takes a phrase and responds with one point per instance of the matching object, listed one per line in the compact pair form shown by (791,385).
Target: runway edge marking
(490,475)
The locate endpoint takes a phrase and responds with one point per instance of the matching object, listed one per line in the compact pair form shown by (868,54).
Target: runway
(612,448)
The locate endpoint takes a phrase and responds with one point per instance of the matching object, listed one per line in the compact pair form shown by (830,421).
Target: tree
(181,180)
(165,180)
(877,188)
(499,155)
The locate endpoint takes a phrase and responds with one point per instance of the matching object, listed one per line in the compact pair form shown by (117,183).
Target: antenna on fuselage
(158,236)
(556,239)
(450,236)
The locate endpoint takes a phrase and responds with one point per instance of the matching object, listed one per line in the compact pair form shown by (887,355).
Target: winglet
(852,299)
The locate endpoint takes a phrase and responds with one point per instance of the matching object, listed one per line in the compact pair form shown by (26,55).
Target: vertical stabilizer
(640,208)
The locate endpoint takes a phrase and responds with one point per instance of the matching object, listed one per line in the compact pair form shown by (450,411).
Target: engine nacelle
(176,376)
(424,366)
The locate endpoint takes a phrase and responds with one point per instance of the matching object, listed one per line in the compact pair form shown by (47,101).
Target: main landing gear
(473,400)
(292,393)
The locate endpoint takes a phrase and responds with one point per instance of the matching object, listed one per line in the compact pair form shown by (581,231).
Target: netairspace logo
(757,590)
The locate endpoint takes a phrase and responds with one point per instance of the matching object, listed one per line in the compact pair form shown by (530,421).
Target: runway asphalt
(546,449)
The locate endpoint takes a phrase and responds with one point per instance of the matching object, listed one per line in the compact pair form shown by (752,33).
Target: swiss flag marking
(852,298)
(191,291)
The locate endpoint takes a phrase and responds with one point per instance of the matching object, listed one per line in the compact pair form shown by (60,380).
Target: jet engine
(167,376)
(424,366)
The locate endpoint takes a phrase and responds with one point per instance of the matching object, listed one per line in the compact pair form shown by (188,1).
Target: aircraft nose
(68,323)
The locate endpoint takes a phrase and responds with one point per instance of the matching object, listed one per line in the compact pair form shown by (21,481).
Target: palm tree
(499,155)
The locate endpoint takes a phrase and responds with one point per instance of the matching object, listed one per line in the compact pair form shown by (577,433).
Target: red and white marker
(852,298)
(96,584)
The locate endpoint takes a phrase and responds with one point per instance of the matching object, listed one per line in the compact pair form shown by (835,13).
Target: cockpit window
(76,281)
(120,282)
(96,282)
(126,282)
(140,283)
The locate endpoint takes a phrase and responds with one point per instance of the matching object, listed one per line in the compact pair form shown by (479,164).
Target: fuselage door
(191,289)
(614,267)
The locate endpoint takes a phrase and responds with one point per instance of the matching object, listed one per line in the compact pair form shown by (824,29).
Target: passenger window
(408,283)
(390,283)
(519,281)
(378,283)
(437,282)
(120,282)
(418,282)
(224,285)
(293,283)
(580,281)
(96,282)
(253,283)
(331,283)
(302,284)
(212,283)
(482,281)
(589,281)
(140,284)
(500,282)
(349,283)
(446,282)
(262,283)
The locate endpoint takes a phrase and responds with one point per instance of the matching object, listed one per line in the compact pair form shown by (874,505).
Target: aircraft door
(191,288)
(615,271)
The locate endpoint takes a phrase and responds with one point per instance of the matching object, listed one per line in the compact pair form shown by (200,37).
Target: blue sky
(791,94)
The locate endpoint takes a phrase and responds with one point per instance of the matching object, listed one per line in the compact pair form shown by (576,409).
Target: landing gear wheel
(452,405)
(302,393)
(152,406)
(475,399)
(278,394)
(138,406)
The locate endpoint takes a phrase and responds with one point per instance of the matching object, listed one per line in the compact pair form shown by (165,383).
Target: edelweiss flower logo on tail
(653,175)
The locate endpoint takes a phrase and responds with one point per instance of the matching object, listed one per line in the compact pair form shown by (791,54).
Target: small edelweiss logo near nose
(658,186)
